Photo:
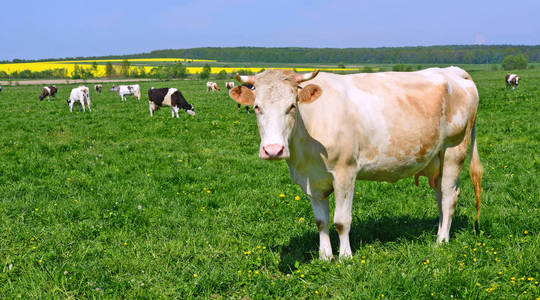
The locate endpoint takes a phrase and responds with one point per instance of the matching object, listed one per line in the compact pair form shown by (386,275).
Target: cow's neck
(302,146)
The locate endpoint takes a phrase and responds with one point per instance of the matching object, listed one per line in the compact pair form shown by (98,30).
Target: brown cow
(381,126)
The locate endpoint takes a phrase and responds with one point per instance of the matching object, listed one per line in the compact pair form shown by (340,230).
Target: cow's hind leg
(447,187)
(319,203)
(343,193)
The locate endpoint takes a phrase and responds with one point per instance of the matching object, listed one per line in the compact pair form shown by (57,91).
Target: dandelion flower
(281,195)
(195,275)
(297,198)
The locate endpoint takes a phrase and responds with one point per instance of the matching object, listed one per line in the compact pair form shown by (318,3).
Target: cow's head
(275,97)
(190,110)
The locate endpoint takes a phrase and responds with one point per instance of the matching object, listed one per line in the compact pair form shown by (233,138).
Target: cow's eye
(291,108)
(257,109)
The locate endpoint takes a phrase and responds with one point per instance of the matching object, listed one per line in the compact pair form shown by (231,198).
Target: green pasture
(117,204)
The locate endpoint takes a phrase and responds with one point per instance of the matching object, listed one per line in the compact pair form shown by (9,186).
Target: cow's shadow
(305,247)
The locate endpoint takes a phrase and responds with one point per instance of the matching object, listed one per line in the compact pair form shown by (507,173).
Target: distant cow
(168,97)
(0,88)
(124,90)
(251,87)
(229,84)
(212,86)
(98,88)
(512,80)
(48,91)
(81,95)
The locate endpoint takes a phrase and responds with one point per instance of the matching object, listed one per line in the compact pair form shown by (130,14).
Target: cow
(381,126)
(168,97)
(251,87)
(124,90)
(212,86)
(48,91)
(0,88)
(98,88)
(229,85)
(512,80)
(81,95)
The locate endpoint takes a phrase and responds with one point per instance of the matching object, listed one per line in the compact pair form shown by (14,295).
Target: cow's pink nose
(272,151)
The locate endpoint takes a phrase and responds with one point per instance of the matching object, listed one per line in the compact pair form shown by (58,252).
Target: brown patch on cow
(242,95)
(309,93)
(339,228)
(415,128)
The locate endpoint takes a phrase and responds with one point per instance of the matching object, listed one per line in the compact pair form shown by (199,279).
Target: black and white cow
(98,88)
(0,88)
(48,91)
(512,80)
(168,97)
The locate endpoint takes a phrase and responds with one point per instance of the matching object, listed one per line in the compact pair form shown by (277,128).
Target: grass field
(116,204)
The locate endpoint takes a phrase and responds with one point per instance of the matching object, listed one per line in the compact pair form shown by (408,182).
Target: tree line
(458,54)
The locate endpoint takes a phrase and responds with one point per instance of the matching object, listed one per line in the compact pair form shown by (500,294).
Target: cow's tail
(476,171)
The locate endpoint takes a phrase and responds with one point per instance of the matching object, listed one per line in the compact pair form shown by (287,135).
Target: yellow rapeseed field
(99,70)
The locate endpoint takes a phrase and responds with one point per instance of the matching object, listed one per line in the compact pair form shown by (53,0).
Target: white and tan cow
(212,86)
(229,84)
(512,80)
(79,95)
(384,126)
(123,90)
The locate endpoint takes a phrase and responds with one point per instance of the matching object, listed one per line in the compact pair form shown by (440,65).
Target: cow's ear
(242,95)
(309,93)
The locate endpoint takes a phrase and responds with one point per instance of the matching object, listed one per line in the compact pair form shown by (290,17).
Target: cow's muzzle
(273,152)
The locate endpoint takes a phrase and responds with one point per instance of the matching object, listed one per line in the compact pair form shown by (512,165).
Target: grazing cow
(0,88)
(168,97)
(512,80)
(124,90)
(98,88)
(382,126)
(229,84)
(81,95)
(212,86)
(48,91)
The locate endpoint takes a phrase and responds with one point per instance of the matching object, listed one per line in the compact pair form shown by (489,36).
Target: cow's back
(388,124)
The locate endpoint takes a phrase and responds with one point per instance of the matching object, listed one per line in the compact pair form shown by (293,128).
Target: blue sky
(53,29)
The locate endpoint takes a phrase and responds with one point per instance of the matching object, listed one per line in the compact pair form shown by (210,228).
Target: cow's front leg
(343,194)
(319,204)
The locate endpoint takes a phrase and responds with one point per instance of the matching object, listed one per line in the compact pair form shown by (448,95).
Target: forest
(456,54)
